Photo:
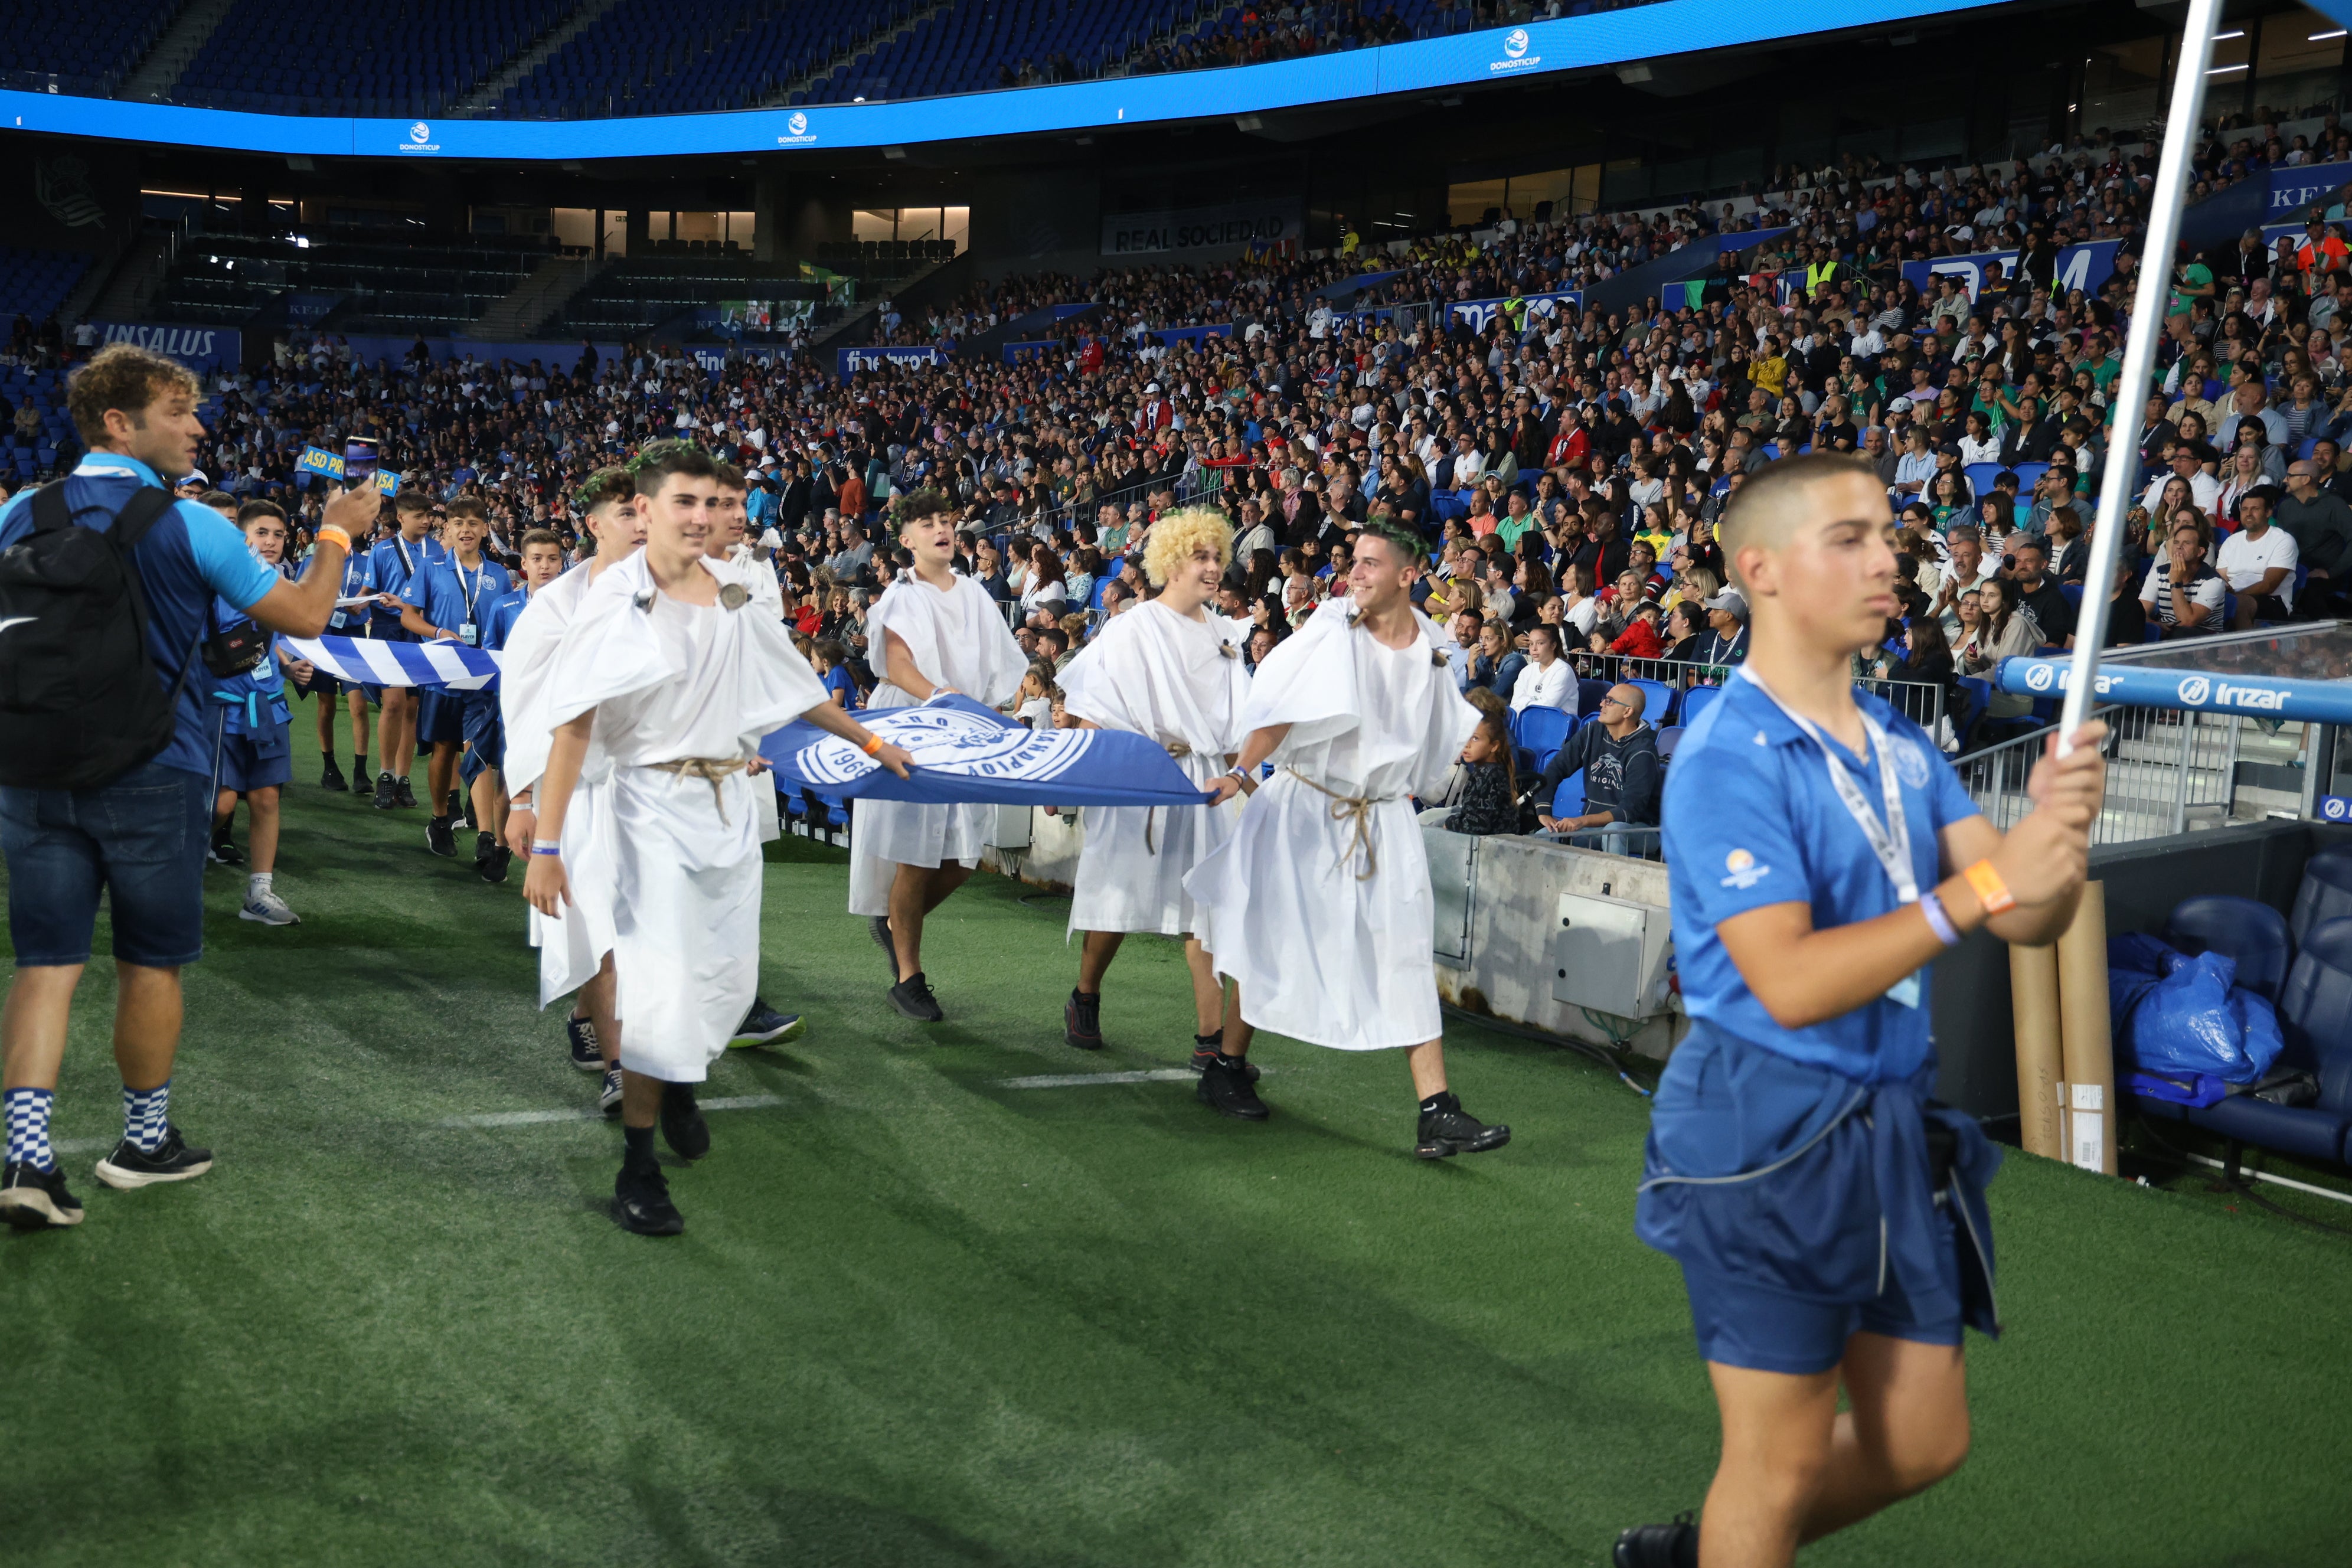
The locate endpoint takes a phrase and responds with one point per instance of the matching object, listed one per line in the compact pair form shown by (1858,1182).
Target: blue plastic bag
(2182,1017)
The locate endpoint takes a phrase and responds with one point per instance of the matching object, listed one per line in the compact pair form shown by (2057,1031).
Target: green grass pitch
(922,1318)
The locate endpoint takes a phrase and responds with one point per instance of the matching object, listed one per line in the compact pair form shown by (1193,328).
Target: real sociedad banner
(849,362)
(375,661)
(966,753)
(2146,686)
(1480,314)
(2084,267)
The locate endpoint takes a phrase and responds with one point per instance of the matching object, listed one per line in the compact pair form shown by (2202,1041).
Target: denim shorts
(140,839)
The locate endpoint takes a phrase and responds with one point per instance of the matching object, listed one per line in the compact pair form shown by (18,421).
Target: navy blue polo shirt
(1751,819)
(451,597)
(498,623)
(190,555)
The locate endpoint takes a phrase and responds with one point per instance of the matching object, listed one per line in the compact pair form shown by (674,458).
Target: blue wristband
(546,847)
(1940,920)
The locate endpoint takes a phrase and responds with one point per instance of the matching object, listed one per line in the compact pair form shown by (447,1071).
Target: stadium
(1387,457)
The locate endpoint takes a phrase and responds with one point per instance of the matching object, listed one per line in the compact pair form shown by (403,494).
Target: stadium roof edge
(1539,50)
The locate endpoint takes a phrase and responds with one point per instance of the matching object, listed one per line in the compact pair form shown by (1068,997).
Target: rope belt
(1180,751)
(1357,808)
(712,771)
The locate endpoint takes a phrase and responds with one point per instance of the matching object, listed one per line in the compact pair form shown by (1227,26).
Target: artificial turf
(922,1317)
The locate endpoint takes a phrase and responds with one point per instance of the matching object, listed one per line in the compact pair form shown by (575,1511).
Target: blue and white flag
(375,661)
(966,753)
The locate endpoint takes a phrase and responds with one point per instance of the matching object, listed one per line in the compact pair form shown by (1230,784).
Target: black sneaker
(386,796)
(1672,1545)
(32,1199)
(333,778)
(439,838)
(640,1204)
(486,858)
(403,794)
(587,1052)
(683,1128)
(763,1025)
(1082,1020)
(501,858)
(361,782)
(1450,1130)
(1204,1051)
(1226,1089)
(129,1168)
(608,1099)
(222,850)
(878,928)
(913,997)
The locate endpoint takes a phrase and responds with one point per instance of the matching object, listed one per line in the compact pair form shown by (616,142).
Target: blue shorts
(1743,1324)
(140,839)
(440,716)
(254,761)
(486,734)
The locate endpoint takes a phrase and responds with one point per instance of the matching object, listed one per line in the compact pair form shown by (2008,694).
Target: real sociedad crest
(946,739)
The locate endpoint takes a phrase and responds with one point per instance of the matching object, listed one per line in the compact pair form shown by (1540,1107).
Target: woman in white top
(1979,444)
(2006,629)
(1044,589)
(1547,681)
(1578,608)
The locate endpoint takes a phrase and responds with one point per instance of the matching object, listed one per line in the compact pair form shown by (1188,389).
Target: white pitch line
(590,1113)
(81,1145)
(1081,1079)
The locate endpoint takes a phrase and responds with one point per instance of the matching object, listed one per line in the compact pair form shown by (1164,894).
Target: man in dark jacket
(1623,775)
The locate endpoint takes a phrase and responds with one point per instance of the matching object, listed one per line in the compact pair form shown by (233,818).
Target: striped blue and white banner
(372,661)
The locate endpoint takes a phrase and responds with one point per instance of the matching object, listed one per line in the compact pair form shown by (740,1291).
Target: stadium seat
(1657,700)
(2253,935)
(1981,476)
(1669,738)
(1568,800)
(1697,700)
(2325,893)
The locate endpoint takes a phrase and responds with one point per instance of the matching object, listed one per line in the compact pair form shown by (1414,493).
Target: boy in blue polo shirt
(392,565)
(451,597)
(257,751)
(485,762)
(1828,1216)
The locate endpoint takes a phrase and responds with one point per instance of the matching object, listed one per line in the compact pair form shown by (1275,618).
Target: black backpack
(79,703)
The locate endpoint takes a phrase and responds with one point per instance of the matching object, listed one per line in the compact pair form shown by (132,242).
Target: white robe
(1324,952)
(572,947)
(1182,683)
(669,681)
(767,594)
(958,640)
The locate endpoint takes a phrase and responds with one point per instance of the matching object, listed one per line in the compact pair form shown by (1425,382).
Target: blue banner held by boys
(967,754)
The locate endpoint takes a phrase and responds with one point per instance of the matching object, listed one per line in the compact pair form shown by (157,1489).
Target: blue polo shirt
(504,611)
(357,579)
(391,564)
(190,555)
(452,596)
(1752,819)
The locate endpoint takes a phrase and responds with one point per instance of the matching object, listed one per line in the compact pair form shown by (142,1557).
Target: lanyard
(473,593)
(406,564)
(1890,841)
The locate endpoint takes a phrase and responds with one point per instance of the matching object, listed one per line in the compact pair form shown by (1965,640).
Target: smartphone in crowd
(360,462)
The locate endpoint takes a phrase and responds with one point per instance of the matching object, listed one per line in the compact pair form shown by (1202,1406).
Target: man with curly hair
(1318,906)
(932,632)
(1170,669)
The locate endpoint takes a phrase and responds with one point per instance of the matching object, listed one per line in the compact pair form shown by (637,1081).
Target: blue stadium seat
(1697,700)
(1568,800)
(1657,700)
(2325,893)
(2253,935)
(1669,740)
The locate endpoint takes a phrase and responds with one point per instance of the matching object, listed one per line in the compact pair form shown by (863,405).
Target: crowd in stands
(1567,468)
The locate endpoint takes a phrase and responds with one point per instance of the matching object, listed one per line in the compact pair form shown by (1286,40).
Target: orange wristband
(328,531)
(1990,891)
(873,744)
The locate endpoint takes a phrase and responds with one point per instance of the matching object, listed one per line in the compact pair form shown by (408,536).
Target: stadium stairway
(865,45)
(521,314)
(137,278)
(151,81)
(485,99)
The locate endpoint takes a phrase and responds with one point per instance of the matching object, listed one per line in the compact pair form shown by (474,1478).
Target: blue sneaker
(587,1052)
(763,1025)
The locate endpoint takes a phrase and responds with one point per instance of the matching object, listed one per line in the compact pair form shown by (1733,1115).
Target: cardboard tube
(2034,1004)
(2086,1037)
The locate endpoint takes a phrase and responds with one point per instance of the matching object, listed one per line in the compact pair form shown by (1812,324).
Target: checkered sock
(29,1128)
(146,1116)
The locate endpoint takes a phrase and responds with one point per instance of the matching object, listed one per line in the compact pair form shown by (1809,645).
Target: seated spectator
(1547,681)
(1488,802)
(1623,774)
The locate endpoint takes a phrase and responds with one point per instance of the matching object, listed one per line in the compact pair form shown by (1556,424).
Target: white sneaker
(269,910)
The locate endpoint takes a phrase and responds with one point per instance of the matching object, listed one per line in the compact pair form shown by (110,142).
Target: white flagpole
(2130,393)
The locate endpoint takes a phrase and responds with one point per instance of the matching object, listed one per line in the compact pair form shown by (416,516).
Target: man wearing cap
(1726,642)
(194,486)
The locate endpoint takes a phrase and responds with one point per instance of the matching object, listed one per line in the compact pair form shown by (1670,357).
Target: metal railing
(1921,702)
(2166,771)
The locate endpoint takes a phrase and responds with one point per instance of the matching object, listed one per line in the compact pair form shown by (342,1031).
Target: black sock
(1216,1042)
(1686,1547)
(638,1149)
(359,764)
(1435,1102)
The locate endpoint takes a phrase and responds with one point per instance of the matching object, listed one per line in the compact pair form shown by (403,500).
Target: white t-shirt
(2245,559)
(2203,488)
(1553,686)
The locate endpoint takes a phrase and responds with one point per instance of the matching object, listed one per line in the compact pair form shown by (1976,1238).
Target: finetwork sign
(1199,228)
(796,131)
(1515,54)
(420,139)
